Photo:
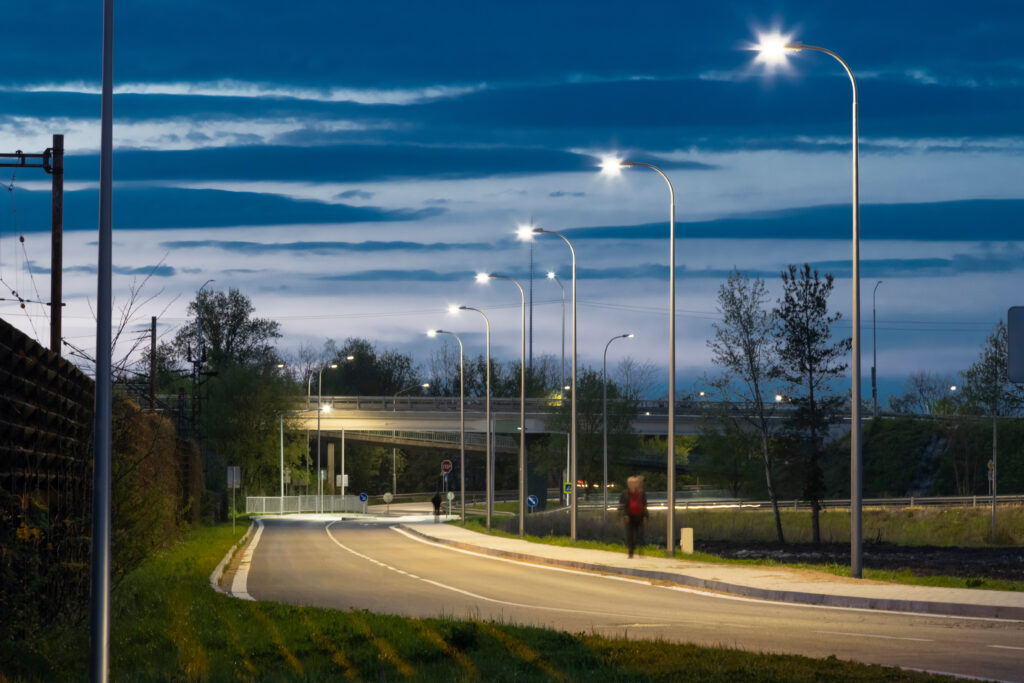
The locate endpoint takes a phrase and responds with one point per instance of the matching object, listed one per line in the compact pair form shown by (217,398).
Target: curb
(795,597)
(218,572)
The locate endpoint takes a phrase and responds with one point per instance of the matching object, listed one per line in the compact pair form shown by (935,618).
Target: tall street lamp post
(604,420)
(319,410)
(561,376)
(394,449)
(484,277)
(874,351)
(487,411)
(613,166)
(774,49)
(527,232)
(462,419)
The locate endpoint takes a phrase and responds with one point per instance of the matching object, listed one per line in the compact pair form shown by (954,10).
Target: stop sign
(446,466)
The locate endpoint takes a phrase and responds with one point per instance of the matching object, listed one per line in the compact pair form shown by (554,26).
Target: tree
(230,334)
(987,386)
(921,394)
(744,347)
(636,378)
(809,363)
(242,389)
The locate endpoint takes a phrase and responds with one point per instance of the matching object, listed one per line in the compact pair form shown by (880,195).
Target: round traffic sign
(363,497)
(446,466)
(532,501)
(388,497)
(451,495)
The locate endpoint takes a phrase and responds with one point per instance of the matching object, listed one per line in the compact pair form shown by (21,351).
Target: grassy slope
(168,624)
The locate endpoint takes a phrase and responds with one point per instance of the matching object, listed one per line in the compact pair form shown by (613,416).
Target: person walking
(633,508)
(436,500)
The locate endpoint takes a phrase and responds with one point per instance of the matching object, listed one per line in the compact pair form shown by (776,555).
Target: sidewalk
(781,584)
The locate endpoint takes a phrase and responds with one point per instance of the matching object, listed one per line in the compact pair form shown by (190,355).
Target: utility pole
(152,364)
(51,160)
(56,240)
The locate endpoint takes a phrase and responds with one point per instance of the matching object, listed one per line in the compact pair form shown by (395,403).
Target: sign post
(234,482)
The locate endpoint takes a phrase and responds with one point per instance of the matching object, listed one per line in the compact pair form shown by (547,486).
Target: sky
(351,166)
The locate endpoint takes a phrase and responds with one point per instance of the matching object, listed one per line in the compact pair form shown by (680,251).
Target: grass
(168,624)
(926,525)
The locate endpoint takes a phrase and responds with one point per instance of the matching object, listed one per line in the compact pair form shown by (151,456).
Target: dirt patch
(989,563)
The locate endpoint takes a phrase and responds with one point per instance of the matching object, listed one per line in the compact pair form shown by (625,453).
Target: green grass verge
(168,624)
(906,577)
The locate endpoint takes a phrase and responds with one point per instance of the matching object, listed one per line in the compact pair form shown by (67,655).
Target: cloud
(354,194)
(167,207)
(154,270)
(567,194)
(321,247)
(243,89)
(968,220)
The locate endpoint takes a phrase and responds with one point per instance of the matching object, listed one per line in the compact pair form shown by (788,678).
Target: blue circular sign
(532,501)
(363,497)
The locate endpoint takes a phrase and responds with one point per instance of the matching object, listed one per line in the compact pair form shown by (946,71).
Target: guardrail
(277,505)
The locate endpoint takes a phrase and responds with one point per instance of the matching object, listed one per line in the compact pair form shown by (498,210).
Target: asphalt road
(374,566)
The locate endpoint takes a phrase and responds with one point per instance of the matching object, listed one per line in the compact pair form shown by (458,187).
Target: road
(373,565)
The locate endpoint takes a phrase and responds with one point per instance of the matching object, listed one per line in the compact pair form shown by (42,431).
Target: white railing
(277,505)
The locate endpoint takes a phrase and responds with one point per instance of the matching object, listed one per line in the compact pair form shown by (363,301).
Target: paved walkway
(768,583)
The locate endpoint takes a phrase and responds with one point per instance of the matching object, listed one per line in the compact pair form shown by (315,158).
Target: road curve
(375,566)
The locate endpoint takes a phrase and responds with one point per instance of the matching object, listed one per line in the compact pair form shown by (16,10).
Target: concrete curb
(238,584)
(775,595)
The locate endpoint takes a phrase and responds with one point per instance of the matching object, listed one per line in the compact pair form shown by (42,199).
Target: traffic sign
(446,466)
(1015,344)
(567,487)
(451,495)
(532,501)
(388,497)
(234,477)
(363,497)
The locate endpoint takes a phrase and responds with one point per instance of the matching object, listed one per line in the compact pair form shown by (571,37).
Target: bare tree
(744,347)
(635,377)
(921,393)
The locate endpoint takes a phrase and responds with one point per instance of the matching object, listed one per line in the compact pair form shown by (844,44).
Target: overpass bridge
(434,421)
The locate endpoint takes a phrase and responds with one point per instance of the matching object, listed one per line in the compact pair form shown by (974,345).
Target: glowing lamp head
(630,335)
(425,385)
(431,333)
(453,308)
(526,232)
(611,165)
(778,398)
(952,387)
(350,357)
(326,409)
(772,47)
(483,277)
(551,275)
(334,366)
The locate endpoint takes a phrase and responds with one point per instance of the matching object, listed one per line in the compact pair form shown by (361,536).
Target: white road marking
(239,586)
(692,591)
(1007,647)
(875,635)
(468,593)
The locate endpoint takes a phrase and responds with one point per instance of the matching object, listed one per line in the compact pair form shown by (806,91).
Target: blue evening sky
(350,166)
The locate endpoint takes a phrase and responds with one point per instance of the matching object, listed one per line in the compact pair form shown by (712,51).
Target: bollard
(686,540)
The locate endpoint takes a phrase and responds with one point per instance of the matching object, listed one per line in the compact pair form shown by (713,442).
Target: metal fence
(277,505)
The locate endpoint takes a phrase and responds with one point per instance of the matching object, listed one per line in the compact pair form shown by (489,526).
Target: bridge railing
(278,505)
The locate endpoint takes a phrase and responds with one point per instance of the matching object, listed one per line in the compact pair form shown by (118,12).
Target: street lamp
(489,485)
(319,410)
(874,350)
(773,49)
(613,166)
(394,449)
(462,420)
(561,377)
(484,277)
(528,232)
(604,400)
